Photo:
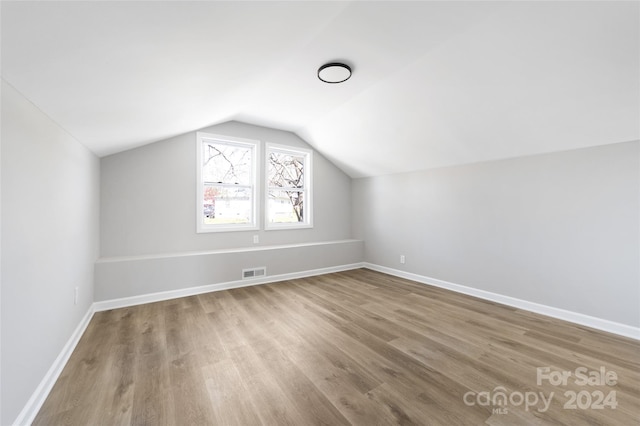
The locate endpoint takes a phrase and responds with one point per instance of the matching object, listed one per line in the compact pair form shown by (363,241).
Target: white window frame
(201,227)
(307,188)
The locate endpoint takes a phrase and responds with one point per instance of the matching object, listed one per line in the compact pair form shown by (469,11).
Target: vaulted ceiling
(434,83)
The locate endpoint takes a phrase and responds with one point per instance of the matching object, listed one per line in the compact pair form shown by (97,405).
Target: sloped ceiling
(434,83)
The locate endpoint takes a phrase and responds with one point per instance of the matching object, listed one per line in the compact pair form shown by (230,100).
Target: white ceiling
(434,83)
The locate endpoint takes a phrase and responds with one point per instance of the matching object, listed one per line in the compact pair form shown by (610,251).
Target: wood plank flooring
(356,347)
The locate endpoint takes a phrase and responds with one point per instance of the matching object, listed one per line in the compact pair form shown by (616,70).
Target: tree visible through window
(228,186)
(288,188)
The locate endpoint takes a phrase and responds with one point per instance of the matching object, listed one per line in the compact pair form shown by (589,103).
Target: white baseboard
(30,410)
(574,317)
(191,291)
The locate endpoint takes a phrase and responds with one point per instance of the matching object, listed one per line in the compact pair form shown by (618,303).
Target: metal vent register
(254,272)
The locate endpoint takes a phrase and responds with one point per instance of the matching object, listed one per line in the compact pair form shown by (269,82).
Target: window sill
(284,227)
(203,230)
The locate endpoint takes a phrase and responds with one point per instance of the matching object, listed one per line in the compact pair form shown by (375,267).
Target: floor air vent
(254,273)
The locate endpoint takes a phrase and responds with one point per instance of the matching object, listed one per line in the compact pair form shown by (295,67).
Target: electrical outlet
(402,259)
(256,239)
(75,296)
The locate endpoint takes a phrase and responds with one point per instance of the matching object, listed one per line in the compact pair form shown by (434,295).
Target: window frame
(201,139)
(307,187)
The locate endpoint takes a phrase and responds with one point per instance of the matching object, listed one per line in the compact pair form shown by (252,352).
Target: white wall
(148,202)
(557,229)
(118,278)
(50,224)
(149,195)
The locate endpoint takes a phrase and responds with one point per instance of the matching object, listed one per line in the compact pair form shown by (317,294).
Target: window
(227,189)
(288,187)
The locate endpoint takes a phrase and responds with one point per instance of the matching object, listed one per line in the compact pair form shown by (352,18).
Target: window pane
(285,207)
(227,205)
(224,163)
(286,170)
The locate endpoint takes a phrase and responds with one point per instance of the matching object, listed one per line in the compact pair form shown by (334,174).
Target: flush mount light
(334,72)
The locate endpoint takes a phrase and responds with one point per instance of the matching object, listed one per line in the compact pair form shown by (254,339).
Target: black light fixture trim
(335,65)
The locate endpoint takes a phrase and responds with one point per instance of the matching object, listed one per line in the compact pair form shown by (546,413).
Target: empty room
(320,213)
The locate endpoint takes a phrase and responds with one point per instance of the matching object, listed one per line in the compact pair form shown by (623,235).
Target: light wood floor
(355,347)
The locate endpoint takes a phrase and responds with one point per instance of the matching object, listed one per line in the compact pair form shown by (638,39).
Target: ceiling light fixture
(334,72)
